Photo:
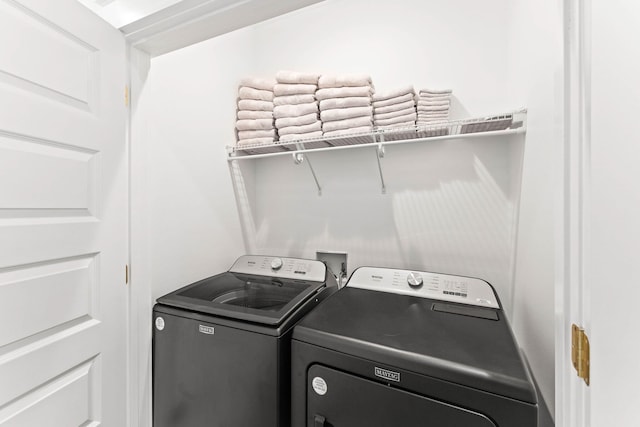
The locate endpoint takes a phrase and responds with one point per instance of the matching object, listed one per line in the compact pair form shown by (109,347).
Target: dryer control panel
(288,268)
(444,287)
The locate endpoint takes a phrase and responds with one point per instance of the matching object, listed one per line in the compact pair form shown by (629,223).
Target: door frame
(572,213)
(141,297)
(571,234)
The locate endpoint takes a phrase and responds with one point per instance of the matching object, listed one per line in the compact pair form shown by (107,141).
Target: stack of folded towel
(433,106)
(345,104)
(395,108)
(295,105)
(255,112)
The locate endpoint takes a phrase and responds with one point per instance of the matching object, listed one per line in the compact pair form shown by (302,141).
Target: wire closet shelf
(508,123)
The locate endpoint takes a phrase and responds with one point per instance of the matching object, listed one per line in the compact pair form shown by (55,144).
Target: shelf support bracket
(298,158)
(380,155)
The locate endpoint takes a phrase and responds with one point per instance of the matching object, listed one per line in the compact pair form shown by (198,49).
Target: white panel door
(613,245)
(63,217)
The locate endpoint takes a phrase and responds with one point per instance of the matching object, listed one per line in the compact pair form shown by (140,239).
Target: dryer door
(336,399)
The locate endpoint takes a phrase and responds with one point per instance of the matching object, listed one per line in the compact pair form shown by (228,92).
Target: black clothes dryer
(411,349)
(221,346)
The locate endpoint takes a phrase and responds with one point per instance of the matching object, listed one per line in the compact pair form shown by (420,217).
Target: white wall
(535,80)
(457,217)
(195,228)
(184,221)
(443,44)
(439,213)
(449,207)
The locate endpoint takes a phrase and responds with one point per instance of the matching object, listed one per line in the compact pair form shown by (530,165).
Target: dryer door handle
(319,421)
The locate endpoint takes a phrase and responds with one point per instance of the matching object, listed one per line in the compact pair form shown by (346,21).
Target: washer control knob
(414,280)
(276,264)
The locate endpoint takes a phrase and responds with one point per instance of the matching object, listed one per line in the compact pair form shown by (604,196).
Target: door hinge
(126,274)
(580,352)
(126,96)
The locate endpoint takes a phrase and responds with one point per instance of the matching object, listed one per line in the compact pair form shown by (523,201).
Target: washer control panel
(288,268)
(465,290)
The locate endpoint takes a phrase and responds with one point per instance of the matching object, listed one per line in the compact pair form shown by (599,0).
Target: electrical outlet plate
(336,262)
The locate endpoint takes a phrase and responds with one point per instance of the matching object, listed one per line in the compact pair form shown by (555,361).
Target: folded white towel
(246,92)
(258,83)
(300,129)
(395,93)
(284,89)
(345,80)
(282,111)
(422,103)
(394,107)
(432,119)
(422,120)
(433,113)
(298,136)
(423,116)
(249,134)
(293,99)
(362,129)
(255,124)
(435,92)
(353,101)
(398,125)
(429,122)
(256,141)
(442,114)
(343,92)
(347,123)
(395,120)
(434,116)
(252,104)
(434,109)
(250,114)
(434,100)
(345,113)
(307,119)
(296,77)
(394,100)
(393,114)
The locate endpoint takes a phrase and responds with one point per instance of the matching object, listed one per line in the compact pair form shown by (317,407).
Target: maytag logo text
(206,329)
(387,375)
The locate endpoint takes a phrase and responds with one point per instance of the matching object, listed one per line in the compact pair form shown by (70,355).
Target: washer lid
(260,299)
